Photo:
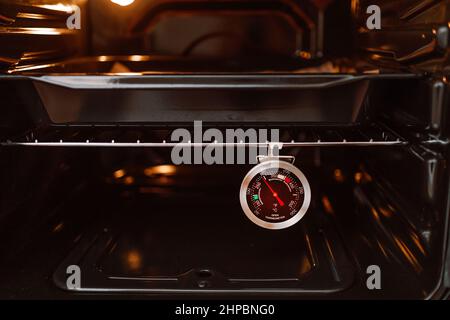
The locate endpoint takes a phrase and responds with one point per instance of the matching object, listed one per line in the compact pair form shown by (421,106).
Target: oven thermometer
(275,194)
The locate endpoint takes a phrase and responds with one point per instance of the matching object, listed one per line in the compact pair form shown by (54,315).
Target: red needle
(273,192)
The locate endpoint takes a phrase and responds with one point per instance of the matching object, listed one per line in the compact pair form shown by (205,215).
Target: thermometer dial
(275,195)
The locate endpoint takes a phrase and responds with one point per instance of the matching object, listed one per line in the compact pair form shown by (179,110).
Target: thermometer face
(275,195)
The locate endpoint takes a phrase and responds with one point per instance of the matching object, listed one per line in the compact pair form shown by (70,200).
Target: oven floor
(147,247)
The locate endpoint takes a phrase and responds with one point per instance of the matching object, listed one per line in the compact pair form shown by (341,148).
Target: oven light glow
(37,30)
(164,170)
(59,7)
(119,174)
(129,181)
(327,205)
(358,177)
(123,3)
(134,260)
(137,58)
(339,176)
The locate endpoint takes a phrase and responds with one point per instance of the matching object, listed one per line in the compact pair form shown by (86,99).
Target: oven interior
(86,171)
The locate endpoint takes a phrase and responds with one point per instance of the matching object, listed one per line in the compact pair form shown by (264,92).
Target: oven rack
(127,136)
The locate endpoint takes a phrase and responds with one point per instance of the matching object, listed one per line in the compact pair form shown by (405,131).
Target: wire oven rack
(150,137)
